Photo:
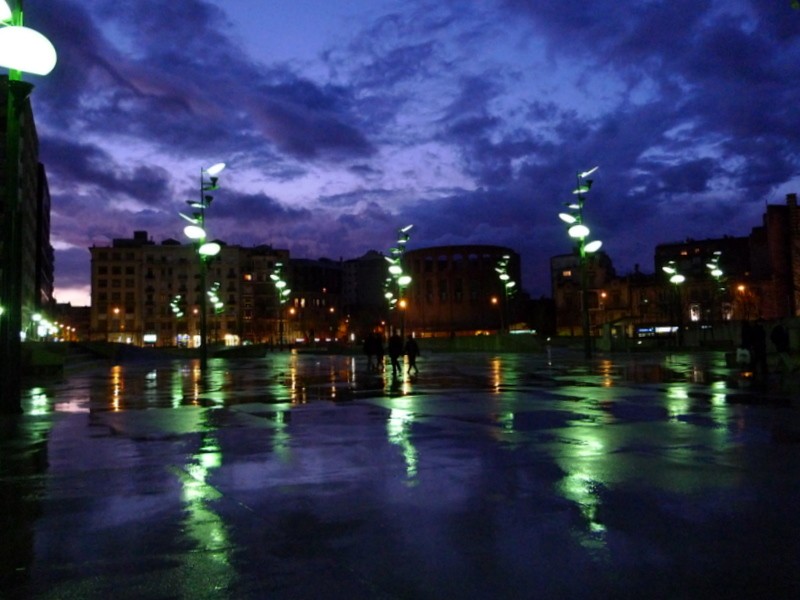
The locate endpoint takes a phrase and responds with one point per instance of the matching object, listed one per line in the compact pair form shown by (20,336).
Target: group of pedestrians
(373,350)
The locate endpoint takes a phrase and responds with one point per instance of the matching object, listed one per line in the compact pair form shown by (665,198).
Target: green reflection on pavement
(398,428)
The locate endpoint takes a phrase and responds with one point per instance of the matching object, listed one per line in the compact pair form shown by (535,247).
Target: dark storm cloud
(688,106)
(254,207)
(84,165)
(173,76)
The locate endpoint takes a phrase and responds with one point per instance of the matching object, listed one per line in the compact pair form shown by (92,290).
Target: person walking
(412,352)
(395,352)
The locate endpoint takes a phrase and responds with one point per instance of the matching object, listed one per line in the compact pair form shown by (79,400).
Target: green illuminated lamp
(404,280)
(215,170)
(194,232)
(578,231)
(593,246)
(209,249)
(27,50)
(567,218)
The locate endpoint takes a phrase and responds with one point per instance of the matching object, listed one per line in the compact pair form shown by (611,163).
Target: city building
(457,290)
(37,263)
(363,301)
(721,281)
(145,293)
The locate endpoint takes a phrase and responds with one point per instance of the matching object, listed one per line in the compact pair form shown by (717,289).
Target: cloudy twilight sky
(343,120)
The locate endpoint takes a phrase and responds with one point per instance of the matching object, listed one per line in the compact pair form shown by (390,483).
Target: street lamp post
(21,50)
(676,279)
(206,250)
(398,279)
(283,292)
(508,288)
(579,231)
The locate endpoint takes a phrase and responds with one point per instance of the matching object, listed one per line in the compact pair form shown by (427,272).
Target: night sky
(342,121)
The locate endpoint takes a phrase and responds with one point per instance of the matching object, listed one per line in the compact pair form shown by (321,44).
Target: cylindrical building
(457,290)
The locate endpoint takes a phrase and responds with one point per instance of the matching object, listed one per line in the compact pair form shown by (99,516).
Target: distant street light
(676,279)
(398,280)
(579,231)
(21,50)
(509,285)
(283,293)
(206,250)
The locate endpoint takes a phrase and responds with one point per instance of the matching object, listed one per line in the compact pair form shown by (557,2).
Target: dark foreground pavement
(486,476)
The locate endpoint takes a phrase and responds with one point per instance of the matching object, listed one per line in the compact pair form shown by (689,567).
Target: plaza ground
(487,476)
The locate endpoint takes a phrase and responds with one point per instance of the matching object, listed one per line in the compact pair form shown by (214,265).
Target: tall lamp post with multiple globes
(676,279)
(206,250)
(398,280)
(508,288)
(283,292)
(578,231)
(21,50)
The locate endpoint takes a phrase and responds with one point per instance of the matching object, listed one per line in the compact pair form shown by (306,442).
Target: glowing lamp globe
(24,49)
(209,249)
(215,170)
(578,231)
(404,280)
(194,232)
(567,218)
(593,246)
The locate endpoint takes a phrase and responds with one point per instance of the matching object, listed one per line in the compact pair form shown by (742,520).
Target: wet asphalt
(485,476)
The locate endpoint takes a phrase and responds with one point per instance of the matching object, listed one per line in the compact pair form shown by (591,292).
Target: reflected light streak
(281,439)
(204,526)
(39,405)
(496,366)
(677,399)
(398,429)
(583,482)
(607,373)
(117,387)
(177,388)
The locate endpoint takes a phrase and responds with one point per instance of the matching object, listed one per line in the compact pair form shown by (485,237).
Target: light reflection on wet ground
(303,378)
(304,476)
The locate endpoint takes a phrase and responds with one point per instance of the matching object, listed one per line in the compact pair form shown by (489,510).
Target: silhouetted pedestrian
(412,352)
(395,352)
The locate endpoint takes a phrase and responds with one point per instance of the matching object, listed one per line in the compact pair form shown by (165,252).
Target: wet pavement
(487,476)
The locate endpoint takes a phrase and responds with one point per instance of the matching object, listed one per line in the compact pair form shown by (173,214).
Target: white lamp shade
(404,280)
(578,231)
(209,249)
(593,246)
(567,218)
(27,50)
(677,278)
(5,11)
(194,232)
(215,170)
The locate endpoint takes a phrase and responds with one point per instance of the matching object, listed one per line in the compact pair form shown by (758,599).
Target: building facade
(758,277)
(457,290)
(36,261)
